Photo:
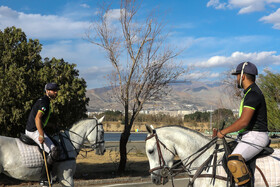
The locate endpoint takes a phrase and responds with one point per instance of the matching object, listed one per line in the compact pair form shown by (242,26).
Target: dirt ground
(91,166)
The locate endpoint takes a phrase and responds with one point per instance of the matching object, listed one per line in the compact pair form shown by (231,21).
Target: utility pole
(211,120)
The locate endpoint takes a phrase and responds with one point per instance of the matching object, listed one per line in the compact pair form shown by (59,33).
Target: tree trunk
(123,142)
(123,154)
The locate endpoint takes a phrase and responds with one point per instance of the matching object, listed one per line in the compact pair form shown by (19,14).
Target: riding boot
(51,158)
(44,178)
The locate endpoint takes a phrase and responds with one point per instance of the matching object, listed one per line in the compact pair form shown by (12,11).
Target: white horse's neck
(78,133)
(185,142)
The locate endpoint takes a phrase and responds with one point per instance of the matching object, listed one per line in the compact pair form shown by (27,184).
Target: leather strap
(264,178)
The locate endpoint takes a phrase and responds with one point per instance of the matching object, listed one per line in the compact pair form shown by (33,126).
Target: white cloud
(260,58)
(85,5)
(273,1)
(92,65)
(42,26)
(81,52)
(113,14)
(245,6)
(201,75)
(96,76)
(216,4)
(273,18)
(249,6)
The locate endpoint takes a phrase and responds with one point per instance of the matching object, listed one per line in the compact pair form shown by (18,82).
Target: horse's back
(8,150)
(6,143)
(14,149)
(4,139)
(270,166)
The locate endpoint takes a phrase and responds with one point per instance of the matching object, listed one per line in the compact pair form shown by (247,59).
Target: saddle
(27,140)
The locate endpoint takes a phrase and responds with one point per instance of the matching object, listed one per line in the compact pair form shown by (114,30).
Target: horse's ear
(149,128)
(100,120)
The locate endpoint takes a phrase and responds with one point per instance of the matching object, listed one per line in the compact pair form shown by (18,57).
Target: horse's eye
(151,151)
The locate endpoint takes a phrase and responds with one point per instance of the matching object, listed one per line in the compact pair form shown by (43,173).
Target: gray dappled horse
(24,162)
(183,142)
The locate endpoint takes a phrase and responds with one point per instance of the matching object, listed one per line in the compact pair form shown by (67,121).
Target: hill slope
(184,96)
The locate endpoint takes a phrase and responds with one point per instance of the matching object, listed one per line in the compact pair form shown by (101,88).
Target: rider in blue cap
(251,125)
(37,120)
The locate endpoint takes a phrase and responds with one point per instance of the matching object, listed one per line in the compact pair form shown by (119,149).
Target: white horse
(162,144)
(24,162)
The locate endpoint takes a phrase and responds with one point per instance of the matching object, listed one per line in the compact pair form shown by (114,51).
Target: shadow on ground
(109,170)
(88,171)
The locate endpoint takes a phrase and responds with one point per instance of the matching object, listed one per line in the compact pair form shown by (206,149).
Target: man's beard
(238,86)
(52,96)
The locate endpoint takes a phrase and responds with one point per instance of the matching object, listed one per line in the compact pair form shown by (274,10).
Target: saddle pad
(31,156)
(269,165)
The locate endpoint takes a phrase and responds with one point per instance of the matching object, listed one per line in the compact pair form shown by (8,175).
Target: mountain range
(190,95)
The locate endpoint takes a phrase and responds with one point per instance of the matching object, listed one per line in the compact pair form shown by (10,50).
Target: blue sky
(216,34)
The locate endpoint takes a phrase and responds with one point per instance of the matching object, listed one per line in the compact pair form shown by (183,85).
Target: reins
(165,170)
(199,152)
(63,134)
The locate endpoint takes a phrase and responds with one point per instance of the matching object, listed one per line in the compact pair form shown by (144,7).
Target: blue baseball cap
(248,68)
(51,86)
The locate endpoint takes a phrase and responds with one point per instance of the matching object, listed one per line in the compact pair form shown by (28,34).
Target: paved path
(177,183)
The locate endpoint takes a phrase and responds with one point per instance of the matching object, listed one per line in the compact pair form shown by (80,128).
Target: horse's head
(160,156)
(96,137)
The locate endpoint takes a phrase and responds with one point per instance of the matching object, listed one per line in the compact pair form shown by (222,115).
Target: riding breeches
(48,144)
(251,145)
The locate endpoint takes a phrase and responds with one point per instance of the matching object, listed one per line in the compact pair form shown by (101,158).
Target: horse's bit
(162,164)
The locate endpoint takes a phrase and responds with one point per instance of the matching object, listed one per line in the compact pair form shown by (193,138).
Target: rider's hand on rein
(220,134)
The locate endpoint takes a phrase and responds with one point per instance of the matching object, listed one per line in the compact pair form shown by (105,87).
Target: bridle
(99,140)
(162,164)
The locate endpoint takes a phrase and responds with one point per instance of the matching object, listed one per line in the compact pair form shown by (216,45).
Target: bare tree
(231,88)
(143,64)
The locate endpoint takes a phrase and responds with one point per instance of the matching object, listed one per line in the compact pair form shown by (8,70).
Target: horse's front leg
(66,171)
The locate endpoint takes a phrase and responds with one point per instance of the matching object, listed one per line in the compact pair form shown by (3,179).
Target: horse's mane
(78,122)
(185,128)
